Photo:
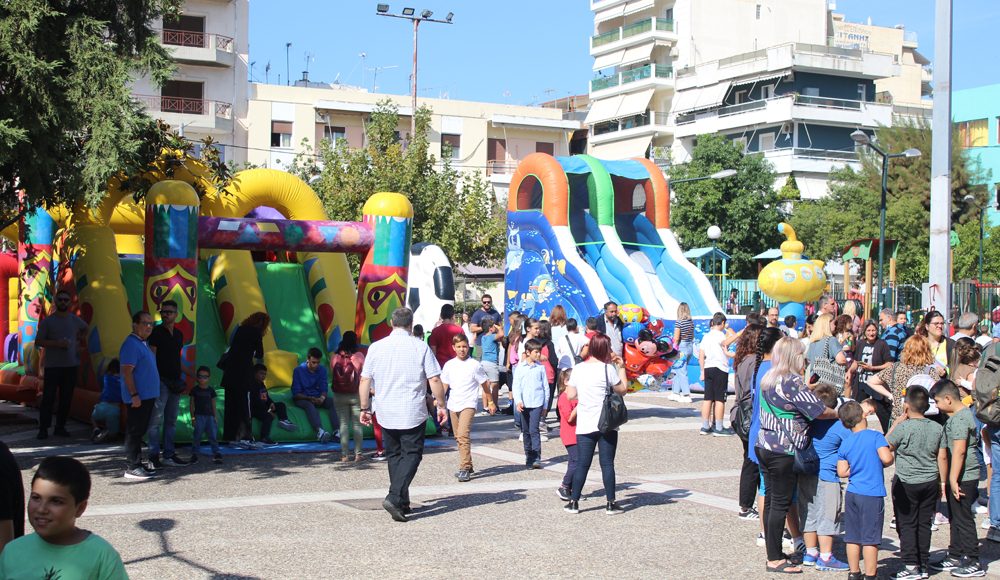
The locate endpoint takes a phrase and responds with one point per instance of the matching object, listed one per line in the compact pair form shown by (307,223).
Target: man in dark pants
(59,335)
(140,389)
(166,341)
(401,365)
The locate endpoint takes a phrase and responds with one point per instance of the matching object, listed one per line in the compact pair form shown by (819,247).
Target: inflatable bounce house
(583,231)
(262,244)
(793,280)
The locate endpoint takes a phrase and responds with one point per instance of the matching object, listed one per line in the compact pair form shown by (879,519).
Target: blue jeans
(204,424)
(606,445)
(681,385)
(110,414)
(165,412)
(532,439)
(572,452)
(995,480)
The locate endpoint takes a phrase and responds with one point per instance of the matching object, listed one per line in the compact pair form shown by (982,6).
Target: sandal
(358,457)
(784,568)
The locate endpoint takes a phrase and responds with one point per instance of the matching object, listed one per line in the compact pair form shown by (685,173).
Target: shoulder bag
(577,359)
(828,370)
(613,412)
(806,460)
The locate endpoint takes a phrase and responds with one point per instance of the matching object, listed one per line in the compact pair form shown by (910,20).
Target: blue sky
(522,52)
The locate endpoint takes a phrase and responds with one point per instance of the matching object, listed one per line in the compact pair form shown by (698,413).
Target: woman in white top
(589,384)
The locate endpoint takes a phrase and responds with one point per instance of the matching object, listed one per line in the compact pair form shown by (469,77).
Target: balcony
(655,75)
(645,30)
(199,48)
(801,160)
(804,108)
(652,124)
(204,116)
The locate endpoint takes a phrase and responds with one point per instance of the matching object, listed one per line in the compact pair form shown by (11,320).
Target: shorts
(716,384)
(820,506)
(863,519)
(492,371)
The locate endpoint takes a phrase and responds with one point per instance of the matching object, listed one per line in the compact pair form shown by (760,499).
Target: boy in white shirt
(570,346)
(713,357)
(465,381)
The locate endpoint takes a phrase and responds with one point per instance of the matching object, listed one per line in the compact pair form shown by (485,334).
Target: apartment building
(788,79)
(976,114)
(487,137)
(207,96)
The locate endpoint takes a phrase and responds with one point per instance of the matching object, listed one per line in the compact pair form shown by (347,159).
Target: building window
(668,14)
(740,97)
(741,143)
(281,134)
(182,97)
(543,147)
(765,142)
(758,12)
(452,142)
(767,91)
(334,134)
(810,91)
(973,133)
(185,31)
(862,92)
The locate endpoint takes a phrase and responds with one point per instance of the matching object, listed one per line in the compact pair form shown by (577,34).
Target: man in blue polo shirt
(893,334)
(309,391)
(140,389)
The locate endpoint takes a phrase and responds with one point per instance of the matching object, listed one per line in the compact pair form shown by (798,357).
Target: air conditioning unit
(322,117)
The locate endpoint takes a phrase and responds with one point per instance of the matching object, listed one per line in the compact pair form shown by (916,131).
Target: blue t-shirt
(136,352)
(765,365)
(307,383)
(489,347)
(860,450)
(112,391)
(827,435)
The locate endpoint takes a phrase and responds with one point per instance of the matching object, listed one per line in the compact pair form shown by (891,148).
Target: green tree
(453,209)
(965,257)
(744,206)
(851,211)
(67,119)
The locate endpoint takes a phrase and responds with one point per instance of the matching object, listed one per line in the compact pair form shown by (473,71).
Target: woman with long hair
(550,361)
(557,318)
(942,347)
(766,340)
(245,347)
(851,311)
(588,385)
(843,331)
(787,407)
(745,362)
(680,388)
(871,355)
(345,373)
(824,345)
(511,342)
(890,382)
(967,355)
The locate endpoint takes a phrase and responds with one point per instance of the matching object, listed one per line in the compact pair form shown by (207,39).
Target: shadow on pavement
(161,526)
(454,503)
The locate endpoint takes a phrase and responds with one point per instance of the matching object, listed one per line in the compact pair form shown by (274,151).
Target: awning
(637,54)
(608,60)
(623,10)
(624,149)
(603,110)
(758,80)
(635,103)
(686,100)
(701,98)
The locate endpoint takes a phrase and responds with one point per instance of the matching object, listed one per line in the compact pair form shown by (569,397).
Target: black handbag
(613,412)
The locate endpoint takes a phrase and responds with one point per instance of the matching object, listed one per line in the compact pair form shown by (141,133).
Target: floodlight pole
(939,267)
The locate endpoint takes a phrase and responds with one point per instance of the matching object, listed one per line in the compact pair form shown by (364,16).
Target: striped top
(399,366)
(687,329)
(785,413)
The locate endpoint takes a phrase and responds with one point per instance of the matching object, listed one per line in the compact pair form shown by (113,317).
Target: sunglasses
(168,312)
(203,377)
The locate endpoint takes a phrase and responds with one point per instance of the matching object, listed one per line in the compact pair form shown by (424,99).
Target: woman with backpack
(345,368)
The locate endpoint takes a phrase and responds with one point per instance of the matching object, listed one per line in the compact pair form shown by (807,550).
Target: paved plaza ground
(303,515)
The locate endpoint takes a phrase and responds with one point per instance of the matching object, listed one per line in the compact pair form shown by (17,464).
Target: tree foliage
(453,209)
(67,119)
(744,206)
(851,211)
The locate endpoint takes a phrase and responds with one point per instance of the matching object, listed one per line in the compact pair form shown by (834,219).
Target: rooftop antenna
(267,72)
(309,58)
(375,70)
(363,56)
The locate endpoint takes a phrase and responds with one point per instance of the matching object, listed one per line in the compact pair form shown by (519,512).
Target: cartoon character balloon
(792,280)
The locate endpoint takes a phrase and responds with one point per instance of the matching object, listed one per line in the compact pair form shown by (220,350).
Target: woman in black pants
(745,363)
(787,406)
(245,348)
(871,356)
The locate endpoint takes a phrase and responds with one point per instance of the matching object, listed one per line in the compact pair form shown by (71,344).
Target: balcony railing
(625,123)
(194,39)
(185,106)
(500,166)
(829,154)
(742,107)
(828,103)
(640,27)
(660,71)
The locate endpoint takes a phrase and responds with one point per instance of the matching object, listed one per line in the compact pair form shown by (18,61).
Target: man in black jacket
(611,324)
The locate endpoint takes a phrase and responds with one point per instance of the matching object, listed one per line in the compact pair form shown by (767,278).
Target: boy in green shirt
(60,489)
(959,472)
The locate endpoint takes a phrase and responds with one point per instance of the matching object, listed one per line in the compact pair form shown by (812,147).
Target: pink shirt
(567,432)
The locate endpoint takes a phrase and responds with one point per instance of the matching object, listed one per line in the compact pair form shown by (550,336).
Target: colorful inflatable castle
(583,231)
(261,244)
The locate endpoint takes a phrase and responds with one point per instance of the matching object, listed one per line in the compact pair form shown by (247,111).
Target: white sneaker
(520,436)
(986,524)
(981,509)
(544,437)
(684,399)
(323,436)
(673,396)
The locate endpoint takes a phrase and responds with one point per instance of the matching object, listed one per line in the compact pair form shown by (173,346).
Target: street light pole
(425,16)
(862,138)
(288,75)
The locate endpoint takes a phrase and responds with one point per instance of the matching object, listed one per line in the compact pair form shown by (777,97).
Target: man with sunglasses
(60,336)
(166,341)
(476,322)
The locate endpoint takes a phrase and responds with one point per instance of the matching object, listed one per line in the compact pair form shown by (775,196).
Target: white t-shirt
(465,379)
(591,386)
(715,354)
(570,340)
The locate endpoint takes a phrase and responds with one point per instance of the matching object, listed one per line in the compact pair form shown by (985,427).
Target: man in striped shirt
(397,369)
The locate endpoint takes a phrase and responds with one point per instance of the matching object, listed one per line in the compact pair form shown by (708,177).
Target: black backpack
(987,390)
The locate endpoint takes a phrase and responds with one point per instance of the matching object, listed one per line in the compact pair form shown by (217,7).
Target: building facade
(207,96)
(486,137)
(788,79)
(976,113)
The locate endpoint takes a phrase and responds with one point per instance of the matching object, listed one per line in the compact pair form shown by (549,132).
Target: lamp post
(288,75)
(971,200)
(861,138)
(425,16)
(714,233)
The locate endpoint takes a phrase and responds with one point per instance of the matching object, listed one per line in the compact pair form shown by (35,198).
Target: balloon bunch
(648,353)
